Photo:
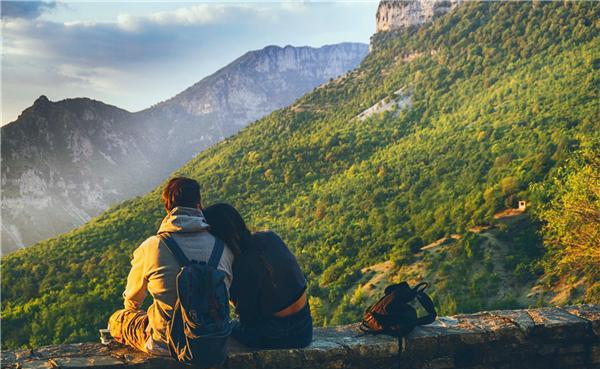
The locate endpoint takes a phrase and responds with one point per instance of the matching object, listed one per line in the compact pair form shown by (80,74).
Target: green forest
(504,107)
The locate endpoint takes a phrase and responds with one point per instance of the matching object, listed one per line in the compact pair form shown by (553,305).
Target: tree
(572,221)
(414,244)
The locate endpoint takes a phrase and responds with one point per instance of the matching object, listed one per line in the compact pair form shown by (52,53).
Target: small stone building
(522,205)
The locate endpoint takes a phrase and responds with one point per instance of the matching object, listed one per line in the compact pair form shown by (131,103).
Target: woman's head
(227,224)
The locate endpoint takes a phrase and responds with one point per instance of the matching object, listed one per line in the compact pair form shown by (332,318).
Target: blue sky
(135,54)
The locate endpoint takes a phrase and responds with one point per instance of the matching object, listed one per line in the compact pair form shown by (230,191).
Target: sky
(138,53)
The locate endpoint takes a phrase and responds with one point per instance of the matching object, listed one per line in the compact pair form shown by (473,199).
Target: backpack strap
(428,306)
(420,287)
(365,329)
(182,260)
(217,252)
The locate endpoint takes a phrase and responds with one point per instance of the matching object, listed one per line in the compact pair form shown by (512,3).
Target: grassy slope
(507,93)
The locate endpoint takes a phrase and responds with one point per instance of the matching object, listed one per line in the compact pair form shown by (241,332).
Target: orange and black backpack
(393,314)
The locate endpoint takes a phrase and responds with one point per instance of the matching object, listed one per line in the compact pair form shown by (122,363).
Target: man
(155,269)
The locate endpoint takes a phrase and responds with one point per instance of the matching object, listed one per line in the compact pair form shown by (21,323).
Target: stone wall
(565,337)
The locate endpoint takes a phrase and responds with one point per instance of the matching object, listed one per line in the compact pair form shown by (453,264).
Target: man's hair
(181,191)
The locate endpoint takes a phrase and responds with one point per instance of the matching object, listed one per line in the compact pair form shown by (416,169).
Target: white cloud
(207,14)
(198,14)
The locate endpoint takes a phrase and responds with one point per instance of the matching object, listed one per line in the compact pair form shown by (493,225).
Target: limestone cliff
(398,14)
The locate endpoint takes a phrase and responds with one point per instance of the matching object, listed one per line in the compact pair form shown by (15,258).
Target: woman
(268,288)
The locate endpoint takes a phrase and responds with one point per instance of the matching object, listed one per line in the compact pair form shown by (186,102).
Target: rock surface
(395,103)
(65,162)
(534,338)
(398,14)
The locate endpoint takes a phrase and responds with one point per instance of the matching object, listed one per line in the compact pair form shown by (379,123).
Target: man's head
(181,191)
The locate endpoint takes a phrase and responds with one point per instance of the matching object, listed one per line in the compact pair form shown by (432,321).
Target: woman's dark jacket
(266,279)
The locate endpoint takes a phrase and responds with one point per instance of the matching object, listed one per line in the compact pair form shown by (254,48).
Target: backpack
(393,315)
(200,326)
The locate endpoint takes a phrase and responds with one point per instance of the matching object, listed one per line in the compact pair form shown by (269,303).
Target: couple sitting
(263,278)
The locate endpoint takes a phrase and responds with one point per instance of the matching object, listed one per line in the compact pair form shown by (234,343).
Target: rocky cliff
(247,89)
(65,162)
(398,14)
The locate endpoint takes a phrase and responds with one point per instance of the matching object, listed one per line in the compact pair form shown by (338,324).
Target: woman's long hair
(227,224)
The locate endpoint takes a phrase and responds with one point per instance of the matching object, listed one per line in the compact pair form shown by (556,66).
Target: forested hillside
(496,96)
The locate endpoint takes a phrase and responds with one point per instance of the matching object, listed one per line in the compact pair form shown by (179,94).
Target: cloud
(210,14)
(133,40)
(25,9)
(85,44)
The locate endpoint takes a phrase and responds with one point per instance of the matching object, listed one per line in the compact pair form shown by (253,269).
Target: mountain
(401,169)
(247,89)
(395,15)
(65,162)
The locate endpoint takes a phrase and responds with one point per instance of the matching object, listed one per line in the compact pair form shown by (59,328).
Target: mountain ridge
(147,144)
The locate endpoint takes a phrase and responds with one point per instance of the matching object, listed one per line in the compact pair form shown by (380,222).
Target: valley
(505,108)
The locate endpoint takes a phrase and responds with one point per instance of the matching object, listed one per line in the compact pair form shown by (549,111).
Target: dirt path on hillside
(498,252)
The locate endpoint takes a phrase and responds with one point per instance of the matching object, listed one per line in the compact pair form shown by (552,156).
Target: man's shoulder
(151,242)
